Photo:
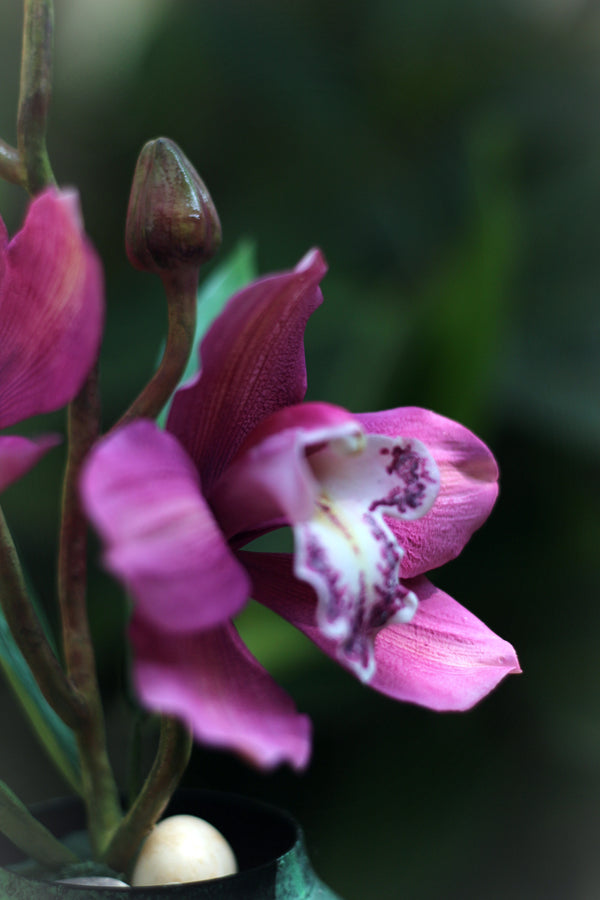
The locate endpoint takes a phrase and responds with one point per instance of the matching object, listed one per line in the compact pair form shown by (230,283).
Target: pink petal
(141,492)
(18,455)
(270,480)
(444,658)
(212,682)
(51,308)
(252,364)
(468,477)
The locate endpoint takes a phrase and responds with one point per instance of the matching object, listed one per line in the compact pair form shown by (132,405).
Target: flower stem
(172,757)
(180,288)
(34,94)
(98,783)
(10,165)
(29,635)
(29,835)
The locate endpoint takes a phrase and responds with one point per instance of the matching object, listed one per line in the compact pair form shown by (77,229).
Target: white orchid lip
(347,552)
(314,468)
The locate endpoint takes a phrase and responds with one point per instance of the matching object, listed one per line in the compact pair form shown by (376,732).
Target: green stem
(10,165)
(29,835)
(98,783)
(30,638)
(34,94)
(134,781)
(172,757)
(180,288)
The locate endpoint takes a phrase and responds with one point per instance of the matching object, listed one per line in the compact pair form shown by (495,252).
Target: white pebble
(183,848)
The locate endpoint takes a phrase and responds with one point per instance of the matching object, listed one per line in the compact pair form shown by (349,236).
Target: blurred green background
(446,158)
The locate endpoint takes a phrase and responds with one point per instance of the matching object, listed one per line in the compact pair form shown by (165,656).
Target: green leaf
(29,835)
(55,736)
(238,270)
(462,311)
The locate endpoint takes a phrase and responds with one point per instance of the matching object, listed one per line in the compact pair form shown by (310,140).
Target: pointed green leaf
(55,736)
(29,835)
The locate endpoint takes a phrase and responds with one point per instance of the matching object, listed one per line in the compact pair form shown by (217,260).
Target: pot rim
(184,797)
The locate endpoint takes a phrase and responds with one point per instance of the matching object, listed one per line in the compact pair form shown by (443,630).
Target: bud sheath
(172,223)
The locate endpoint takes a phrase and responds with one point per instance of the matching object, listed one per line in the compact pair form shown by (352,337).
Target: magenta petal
(141,492)
(212,682)
(444,658)
(271,480)
(275,585)
(51,308)
(18,455)
(468,486)
(252,365)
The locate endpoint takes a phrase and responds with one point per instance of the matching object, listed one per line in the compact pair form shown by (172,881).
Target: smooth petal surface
(445,658)
(252,364)
(51,308)
(468,486)
(212,682)
(141,492)
(18,455)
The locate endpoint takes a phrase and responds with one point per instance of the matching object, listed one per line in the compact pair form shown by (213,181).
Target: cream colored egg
(183,848)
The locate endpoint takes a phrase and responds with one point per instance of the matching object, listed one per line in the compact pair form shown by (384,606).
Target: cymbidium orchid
(374,502)
(51,308)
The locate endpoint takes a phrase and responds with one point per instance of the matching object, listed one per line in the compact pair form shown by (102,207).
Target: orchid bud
(172,222)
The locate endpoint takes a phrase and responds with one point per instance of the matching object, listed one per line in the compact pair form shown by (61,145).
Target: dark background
(446,157)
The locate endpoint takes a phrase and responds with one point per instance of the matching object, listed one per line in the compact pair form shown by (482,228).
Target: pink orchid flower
(374,501)
(51,311)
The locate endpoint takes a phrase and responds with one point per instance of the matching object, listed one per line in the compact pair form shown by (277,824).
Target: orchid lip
(347,551)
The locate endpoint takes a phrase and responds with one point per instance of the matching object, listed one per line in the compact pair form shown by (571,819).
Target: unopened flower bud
(172,222)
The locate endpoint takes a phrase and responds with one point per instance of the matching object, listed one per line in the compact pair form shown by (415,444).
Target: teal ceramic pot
(267,842)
